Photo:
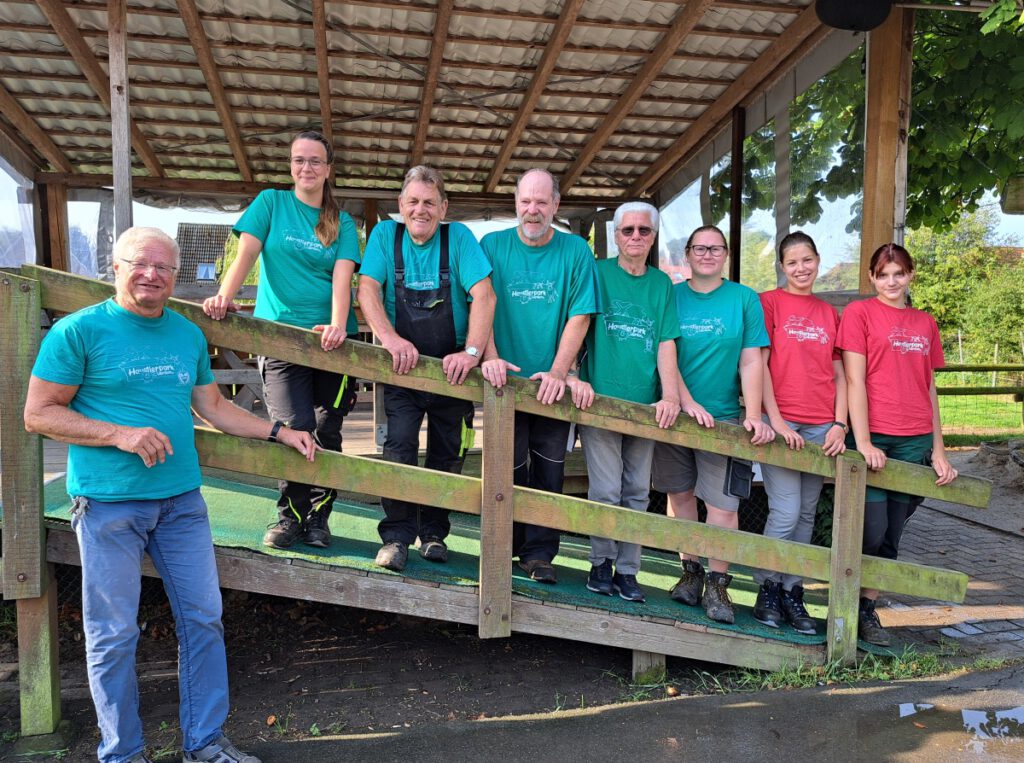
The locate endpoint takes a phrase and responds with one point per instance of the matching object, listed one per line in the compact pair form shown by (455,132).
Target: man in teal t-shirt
(119,381)
(546,285)
(425,288)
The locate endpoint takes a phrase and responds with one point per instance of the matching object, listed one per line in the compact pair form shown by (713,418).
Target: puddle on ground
(987,731)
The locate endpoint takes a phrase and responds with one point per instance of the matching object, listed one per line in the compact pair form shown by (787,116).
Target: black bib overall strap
(425,317)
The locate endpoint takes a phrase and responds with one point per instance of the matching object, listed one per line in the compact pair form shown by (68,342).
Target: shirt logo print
(629,322)
(526,287)
(703,327)
(803,330)
(903,342)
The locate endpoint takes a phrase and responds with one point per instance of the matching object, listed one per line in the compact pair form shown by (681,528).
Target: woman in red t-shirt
(890,351)
(804,399)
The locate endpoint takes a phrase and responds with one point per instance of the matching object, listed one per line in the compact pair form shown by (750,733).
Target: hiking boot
(768,607)
(689,587)
(795,613)
(626,587)
(717,604)
(539,570)
(434,550)
(316,532)
(220,751)
(284,533)
(392,556)
(600,579)
(869,628)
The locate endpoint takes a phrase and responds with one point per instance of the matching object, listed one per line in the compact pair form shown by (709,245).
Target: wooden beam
(541,76)
(496,511)
(28,129)
(845,566)
(39,660)
(56,247)
(120,115)
(890,48)
(204,55)
(69,34)
(442,20)
(752,77)
(682,25)
(739,131)
(323,74)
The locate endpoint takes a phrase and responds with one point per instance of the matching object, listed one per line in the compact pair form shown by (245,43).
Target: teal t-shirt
(466,261)
(714,329)
(622,342)
(296,270)
(538,288)
(132,371)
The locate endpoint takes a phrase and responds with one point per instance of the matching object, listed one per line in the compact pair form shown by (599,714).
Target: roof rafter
(28,128)
(803,27)
(66,30)
(541,75)
(204,55)
(682,25)
(442,21)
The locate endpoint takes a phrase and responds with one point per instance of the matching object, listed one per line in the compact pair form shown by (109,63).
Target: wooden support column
(890,50)
(496,513)
(739,128)
(845,565)
(56,244)
(26,576)
(120,117)
(647,665)
(783,185)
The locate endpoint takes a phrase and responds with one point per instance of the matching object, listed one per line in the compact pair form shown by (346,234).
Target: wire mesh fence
(985,404)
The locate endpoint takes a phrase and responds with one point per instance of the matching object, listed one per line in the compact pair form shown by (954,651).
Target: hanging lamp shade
(861,16)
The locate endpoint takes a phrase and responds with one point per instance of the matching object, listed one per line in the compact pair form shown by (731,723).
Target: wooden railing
(492,496)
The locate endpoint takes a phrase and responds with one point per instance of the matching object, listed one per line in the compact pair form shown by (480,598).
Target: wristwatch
(473,352)
(274,430)
(841,425)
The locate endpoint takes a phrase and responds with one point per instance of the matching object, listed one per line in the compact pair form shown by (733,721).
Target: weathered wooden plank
(21,453)
(847,535)
(496,507)
(120,113)
(38,660)
(645,663)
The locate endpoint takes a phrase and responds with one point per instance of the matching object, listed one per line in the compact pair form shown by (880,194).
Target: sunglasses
(630,229)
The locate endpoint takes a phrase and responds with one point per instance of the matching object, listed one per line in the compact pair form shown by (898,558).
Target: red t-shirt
(902,348)
(802,329)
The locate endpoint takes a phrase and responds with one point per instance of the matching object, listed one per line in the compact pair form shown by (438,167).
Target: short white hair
(637,206)
(129,242)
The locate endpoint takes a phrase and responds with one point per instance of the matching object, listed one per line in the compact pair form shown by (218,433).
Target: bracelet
(273,432)
(841,425)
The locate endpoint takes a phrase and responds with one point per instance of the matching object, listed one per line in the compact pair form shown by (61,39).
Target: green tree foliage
(757,261)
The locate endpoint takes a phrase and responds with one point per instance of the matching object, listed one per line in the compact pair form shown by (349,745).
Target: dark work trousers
(307,400)
(448,420)
(539,462)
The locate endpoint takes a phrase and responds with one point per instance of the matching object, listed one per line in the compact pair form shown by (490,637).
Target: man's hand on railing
(835,441)
(496,371)
(301,441)
(552,387)
(666,412)
(762,433)
(696,411)
(943,468)
(457,366)
(582,392)
(404,354)
(218,306)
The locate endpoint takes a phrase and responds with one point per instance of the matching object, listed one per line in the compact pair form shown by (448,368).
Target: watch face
(472,351)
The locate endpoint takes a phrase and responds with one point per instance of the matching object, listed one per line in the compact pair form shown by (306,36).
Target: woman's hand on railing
(496,371)
(218,306)
(696,411)
(943,468)
(582,392)
(835,441)
(762,433)
(874,457)
(331,337)
(793,438)
(666,412)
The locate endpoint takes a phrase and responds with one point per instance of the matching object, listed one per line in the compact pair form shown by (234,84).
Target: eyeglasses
(314,164)
(163,271)
(714,251)
(643,230)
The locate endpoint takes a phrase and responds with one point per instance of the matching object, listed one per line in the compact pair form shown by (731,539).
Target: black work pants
(539,462)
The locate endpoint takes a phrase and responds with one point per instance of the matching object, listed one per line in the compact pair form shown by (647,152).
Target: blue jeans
(619,472)
(112,538)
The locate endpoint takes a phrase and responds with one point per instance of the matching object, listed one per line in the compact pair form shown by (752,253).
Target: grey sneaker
(392,556)
(717,604)
(626,587)
(690,585)
(220,751)
(869,628)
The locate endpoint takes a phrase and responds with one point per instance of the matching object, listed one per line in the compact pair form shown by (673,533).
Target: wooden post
(57,246)
(496,513)
(647,663)
(26,576)
(890,49)
(739,129)
(847,541)
(120,116)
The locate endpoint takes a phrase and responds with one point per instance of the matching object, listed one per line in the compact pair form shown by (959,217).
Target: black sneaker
(600,578)
(434,550)
(717,604)
(284,533)
(626,587)
(689,587)
(392,556)
(316,532)
(795,613)
(869,628)
(768,607)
